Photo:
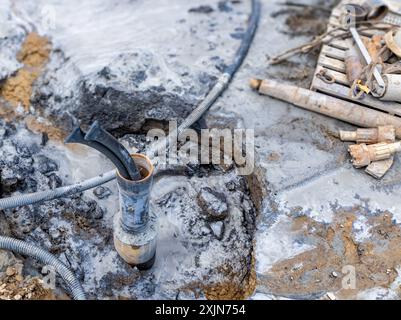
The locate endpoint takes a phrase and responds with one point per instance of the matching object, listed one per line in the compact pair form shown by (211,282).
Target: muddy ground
(292,229)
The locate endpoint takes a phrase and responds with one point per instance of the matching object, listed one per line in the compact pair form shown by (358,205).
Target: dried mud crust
(312,273)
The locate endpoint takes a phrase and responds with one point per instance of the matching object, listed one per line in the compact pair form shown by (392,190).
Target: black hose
(246,40)
(221,85)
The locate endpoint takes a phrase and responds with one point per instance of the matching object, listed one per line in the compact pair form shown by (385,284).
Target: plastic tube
(37,197)
(27,249)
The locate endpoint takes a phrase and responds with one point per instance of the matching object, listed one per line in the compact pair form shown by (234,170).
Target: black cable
(246,40)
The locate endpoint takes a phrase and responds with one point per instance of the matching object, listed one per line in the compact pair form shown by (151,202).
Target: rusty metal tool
(369,135)
(353,63)
(327,105)
(363,155)
(78,136)
(97,134)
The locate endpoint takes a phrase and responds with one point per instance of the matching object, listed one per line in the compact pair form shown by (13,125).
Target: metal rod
(366,56)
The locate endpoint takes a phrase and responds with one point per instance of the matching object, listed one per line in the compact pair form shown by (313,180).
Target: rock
(19,278)
(137,90)
(218,229)
(9,180)
(102,192)
(54,233)
(10,271)
(54,181)
(46,165)
(24,150)
(202,9)
(205,231)
(98,213)
(87,209)
(213,204)
(4,227)
(224,6)
(30,185)
(7,259)
(22,220)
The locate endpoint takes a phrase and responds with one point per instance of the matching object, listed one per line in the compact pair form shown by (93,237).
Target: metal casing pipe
(327,105)
(135,195)
(134,226)
(393,87)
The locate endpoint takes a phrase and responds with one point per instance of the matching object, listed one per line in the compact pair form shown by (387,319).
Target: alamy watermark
(212,146)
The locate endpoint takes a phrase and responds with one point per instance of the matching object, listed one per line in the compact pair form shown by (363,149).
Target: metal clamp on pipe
(134,227)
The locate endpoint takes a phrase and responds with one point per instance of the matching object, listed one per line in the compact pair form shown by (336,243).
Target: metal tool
(78,136)
(326,76)
(376,73)
(97,134)
(327,105)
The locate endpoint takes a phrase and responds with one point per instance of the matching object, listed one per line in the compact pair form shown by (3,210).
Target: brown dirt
(311,272)
(35,51)
(301,21)
(34,54)
(13,286)
(233,289)
(273,156)
(18,89)
(306,20)
(44,126)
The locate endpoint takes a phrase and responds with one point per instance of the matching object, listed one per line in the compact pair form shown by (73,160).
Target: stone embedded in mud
(4,227)
(54,181)
(87,209)
(8,180)
(21,220)
(7,259)
(214,204)
(102,192)
(224,6)
(46,165)
(202,9)
(218,229)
